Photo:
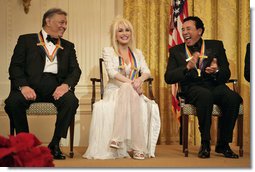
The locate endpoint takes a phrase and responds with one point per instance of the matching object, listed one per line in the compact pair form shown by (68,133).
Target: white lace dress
(138,113)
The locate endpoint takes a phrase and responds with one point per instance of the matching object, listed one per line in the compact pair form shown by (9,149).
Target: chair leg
(185,134)
(240,134)
(180,132)
(218,129)
(183,140)
(71,138)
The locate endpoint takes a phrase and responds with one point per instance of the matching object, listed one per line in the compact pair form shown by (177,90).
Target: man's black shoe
(226,150)
(56,152)
(204,151)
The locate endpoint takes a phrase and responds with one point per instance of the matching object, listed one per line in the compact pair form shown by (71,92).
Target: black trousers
(203,99)
(16,105)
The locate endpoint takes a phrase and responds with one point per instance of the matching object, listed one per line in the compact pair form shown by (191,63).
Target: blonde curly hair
(114,28)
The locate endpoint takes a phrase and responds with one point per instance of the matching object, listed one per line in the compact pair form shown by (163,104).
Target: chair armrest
(150,93)
(232,80)
(95,80)
(149,80)
(235,84)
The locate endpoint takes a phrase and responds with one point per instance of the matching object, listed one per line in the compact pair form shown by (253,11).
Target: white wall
(88,29)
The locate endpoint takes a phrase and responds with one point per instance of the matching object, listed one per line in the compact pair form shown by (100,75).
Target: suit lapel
(60,55)
(208,50)
(41,52)
(60,51)
(183,53)
(40,48)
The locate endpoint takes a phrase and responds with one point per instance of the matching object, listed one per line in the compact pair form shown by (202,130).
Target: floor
(167,156)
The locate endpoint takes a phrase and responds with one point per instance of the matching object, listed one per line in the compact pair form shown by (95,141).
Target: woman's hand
(137,85)
(139,91)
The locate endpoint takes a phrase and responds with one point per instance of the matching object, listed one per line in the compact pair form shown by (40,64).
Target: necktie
(51,39)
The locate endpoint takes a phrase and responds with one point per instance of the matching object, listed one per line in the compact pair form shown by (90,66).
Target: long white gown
(102,122)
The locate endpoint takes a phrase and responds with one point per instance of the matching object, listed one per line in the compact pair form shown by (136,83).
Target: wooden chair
(42,108)
(188,109)
(101,81)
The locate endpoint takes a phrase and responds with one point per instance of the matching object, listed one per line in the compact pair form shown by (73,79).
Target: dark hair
(198,22)
(50,13)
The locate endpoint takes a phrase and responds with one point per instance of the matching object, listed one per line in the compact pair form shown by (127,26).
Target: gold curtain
(228,21)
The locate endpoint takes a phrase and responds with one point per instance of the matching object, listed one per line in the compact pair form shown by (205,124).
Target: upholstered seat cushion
(189,109)
(42,108)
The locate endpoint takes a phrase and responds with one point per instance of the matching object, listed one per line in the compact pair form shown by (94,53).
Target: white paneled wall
(88,28)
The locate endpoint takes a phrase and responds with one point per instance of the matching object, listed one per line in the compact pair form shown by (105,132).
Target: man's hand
(60,91)
(28,92)
(193,61)
(213,67)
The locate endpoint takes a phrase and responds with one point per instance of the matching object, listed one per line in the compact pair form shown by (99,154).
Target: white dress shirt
(51,67)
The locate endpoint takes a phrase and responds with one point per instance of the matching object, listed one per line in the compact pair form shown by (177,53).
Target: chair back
(101,60)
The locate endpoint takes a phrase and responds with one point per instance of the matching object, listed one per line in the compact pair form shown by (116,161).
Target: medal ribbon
(43,45)
(201,56)
(202,51)
(134,69)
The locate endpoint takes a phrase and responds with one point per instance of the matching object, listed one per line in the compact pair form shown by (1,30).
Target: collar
(196,47)
(44,34)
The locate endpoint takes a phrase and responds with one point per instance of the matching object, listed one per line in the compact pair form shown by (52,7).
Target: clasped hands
(30,94)
(209,70)
(137,85)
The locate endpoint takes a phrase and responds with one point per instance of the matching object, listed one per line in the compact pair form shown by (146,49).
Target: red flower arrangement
(23,150)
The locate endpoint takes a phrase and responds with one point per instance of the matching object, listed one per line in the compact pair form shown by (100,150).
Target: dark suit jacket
(247,63)
(28,61)
(176,70)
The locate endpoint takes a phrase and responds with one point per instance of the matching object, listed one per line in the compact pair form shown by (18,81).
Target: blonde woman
(125,123)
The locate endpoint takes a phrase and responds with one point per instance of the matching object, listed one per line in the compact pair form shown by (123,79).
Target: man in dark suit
(44,68)
(202,69)
(247,63)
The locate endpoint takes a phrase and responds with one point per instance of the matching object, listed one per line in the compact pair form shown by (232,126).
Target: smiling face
(190,33)
(123,34)
(56,25)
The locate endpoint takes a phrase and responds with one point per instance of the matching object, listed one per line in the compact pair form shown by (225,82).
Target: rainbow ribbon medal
(42,44)
(202,56)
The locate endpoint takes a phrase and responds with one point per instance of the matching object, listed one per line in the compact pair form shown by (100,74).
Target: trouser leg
(202,99)
(229,103)
(66,107)
(15,107)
